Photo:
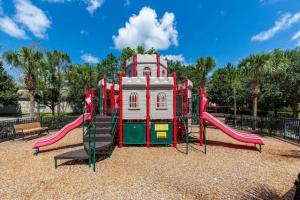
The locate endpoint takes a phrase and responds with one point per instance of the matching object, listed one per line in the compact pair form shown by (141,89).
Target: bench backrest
(20,127)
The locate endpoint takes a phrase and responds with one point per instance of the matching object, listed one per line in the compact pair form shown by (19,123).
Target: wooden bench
(28,128)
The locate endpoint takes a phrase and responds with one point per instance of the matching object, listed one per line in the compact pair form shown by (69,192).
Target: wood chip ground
(227,171)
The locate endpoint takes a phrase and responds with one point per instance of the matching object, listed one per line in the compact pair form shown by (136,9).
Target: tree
(51,83)
(253,69)
(272,91)
(8,90)
(79,79)
(204,66)
(28,60)
(292,80)
(110,65)
(126,54)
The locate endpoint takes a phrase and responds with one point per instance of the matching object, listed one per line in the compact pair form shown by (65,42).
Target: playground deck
(226,172)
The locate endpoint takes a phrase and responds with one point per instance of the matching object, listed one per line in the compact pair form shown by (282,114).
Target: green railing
(194,119)
(91,133)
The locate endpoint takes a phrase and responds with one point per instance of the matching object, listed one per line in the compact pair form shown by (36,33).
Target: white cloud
(84,32)
(93,5)
(296,37)
(8,26)
(145,29)
(89,58)
(32,17)
(178,57)
(285,22)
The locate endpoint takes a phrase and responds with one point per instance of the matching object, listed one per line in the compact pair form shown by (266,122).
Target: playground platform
(227,171)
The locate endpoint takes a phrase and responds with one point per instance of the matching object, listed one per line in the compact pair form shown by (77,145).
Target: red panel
(148,110)
(120,111)
(174,111)
(105,96)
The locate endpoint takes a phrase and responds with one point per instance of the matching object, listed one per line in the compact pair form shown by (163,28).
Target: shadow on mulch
(82,162)
(61,147)
(292,154)
(230,145)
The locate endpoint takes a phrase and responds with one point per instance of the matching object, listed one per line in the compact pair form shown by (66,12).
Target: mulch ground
(228,171)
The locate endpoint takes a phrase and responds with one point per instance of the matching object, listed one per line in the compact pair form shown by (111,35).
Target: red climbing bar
(181,100)
(112,98)
(148,110)
(174,110)
(186,96)
(105,95)
(120,111)
(158,64)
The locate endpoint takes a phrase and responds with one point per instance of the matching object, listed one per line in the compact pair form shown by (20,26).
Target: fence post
(284,131)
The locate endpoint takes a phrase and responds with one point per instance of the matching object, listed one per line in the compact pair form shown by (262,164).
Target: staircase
(185,130)
(98,139)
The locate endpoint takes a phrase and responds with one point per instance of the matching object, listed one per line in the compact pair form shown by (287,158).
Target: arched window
(161,100)
(133,100)
(146,69)
(163,73)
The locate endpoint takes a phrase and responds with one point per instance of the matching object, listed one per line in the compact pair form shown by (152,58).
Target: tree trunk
(32,103)
(53,109)
(254,106)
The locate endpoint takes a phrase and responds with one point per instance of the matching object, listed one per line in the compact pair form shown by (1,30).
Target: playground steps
(103,141)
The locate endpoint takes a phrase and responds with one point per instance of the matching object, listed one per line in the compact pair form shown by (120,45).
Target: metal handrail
(114,123)
(183,118)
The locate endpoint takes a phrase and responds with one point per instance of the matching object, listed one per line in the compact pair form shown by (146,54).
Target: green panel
(157,136)
(134,133)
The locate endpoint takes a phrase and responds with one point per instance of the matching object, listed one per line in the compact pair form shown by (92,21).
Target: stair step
(99,145)
(103,130)
(102,124)
(99,138)
(76,154)
(102,119)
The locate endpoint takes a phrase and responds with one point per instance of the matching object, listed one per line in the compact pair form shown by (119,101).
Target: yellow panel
(161,127)
(161,135)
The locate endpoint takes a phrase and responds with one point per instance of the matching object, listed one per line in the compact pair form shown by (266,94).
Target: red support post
(201,110)
(158,64)
(148,110)
(181,99)
(134,65)
(186,96)
(105,95)
(120,111)
(174,110)
(112,98)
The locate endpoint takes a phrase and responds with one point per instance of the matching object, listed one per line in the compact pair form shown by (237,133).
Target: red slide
(241,137)
(62,132)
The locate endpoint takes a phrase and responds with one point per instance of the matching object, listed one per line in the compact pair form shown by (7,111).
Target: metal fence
(282,127)
(53,123)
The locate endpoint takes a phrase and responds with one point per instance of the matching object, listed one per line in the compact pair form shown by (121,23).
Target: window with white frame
(146,70)
(133,100)
(161,100)
(163,73)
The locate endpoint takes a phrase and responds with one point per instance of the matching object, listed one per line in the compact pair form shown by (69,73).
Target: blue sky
(90,29)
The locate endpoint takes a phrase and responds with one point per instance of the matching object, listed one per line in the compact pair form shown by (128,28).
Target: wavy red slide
(241,137)
(62,132)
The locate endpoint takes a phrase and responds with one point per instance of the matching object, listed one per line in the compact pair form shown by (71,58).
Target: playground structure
(145,106)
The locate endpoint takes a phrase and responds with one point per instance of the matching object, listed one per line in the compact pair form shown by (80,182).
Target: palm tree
(54,62)
(253,68)
(204,66)
(28,60)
